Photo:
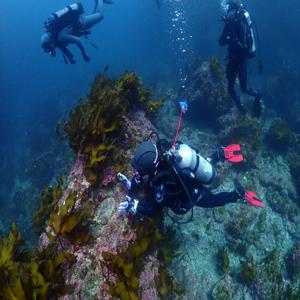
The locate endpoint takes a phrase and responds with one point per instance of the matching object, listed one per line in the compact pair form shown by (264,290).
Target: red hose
(178,127)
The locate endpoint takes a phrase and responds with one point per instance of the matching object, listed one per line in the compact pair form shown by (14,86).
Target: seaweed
(94,125)
(166,286)
(223,260)
(48,200)
(217,69)
(280,136)
(127,266)
(248,270)
(71,223)
(30,276)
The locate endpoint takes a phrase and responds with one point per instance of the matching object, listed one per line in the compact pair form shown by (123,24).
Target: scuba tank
(192,164)
(250,35)
(63,18)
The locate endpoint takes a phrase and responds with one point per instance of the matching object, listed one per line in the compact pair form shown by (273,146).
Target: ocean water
(156,41)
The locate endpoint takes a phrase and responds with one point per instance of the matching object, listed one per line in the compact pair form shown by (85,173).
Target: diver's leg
(65,39)
(88,21)
(231,73)
(216,200)
(243,78)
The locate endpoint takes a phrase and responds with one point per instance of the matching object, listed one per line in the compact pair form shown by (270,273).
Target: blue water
(36,90)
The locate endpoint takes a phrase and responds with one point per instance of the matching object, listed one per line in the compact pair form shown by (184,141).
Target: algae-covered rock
(223,289)
(294,164)
(223,260)
(244,131)
(294,261)
(280,136)
(282,94)
(206,91)
(94,128)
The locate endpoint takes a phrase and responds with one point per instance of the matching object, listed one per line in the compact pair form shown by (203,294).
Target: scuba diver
(238,34)
(175,177)
(67,25)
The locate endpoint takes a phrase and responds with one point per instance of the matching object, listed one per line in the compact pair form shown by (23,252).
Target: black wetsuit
(166,190)
(235,35)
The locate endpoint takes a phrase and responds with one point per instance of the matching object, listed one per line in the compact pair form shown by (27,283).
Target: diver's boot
(240,106)
(257,107)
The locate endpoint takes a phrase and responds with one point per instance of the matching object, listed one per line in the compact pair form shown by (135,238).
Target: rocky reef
(281,93)
(206,90)
(87,251)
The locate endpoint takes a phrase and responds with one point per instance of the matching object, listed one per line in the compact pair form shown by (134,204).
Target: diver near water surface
(238,35)
(66,26)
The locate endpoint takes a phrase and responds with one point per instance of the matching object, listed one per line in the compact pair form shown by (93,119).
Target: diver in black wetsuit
(175,178)
(238,35)
(67,25)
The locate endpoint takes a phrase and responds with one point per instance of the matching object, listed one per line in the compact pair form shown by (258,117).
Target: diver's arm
(225,37)
(68,54)
(134,207)
(72,39)
(242,35)
(148,208)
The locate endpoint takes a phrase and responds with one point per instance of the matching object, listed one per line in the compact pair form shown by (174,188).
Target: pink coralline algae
(138,127)
(117,238)
(77,182)
(109,176)
(147,279)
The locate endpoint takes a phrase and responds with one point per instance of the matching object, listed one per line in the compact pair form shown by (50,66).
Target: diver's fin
(257,107)
(253,199)
(233,153)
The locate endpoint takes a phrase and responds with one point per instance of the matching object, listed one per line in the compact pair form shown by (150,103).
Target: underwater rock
(206,91)
(247,132)
(294,261)
(282,94)
(147,279)
(280,137)
(123,260)
(223,289)
(94,128)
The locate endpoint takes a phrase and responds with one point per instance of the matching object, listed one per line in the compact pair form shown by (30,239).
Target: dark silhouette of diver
(67,25)
(176,177)
(239,36)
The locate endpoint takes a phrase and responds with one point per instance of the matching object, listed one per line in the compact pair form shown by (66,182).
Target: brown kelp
(94,128)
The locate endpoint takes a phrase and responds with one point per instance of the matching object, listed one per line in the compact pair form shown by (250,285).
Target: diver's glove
(249,197)
(124,180)
(128,206)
